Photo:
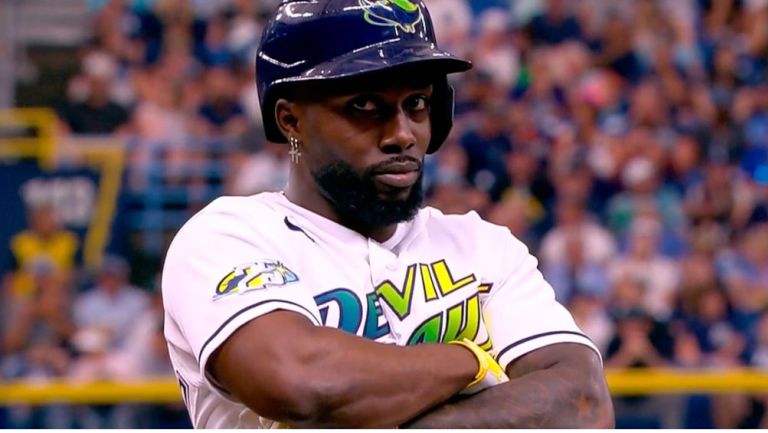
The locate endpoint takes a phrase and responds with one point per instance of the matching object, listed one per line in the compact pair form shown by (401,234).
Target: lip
(398,167)
(399,180)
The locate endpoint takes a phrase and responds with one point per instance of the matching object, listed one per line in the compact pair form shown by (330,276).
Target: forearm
(322,377)
(561,396)
(370,384)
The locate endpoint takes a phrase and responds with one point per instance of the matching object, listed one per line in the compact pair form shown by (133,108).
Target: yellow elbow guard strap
(489,372)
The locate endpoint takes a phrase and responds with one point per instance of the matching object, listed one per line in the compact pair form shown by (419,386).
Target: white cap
(637,170)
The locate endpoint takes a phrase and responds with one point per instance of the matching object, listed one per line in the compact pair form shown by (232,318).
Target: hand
(489,371)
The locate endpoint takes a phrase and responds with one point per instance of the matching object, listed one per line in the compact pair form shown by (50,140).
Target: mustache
(397,161)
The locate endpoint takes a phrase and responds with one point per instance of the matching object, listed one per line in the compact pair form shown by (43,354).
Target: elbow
(301,399)
(597,406)
(289,399)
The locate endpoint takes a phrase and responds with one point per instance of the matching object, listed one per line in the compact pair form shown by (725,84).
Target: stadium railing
(166,390)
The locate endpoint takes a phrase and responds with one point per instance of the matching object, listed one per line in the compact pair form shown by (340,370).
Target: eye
(363,103)
(417,103)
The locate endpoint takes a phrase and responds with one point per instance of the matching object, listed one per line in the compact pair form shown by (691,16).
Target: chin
(391,195)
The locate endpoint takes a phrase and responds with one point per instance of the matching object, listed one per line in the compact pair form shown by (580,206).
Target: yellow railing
(43,146)
(166,390)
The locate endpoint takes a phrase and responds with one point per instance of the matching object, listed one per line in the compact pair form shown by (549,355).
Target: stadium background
(626,142)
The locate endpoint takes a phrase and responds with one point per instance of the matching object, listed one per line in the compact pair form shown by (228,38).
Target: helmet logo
(402,14)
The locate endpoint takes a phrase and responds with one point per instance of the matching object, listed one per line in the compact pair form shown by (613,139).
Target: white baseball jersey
(440,277)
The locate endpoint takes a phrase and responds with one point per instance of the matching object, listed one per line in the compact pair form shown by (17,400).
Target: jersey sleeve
(521,312)
(221,272)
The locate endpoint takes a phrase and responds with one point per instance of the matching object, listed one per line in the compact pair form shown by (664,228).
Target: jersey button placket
(382,261)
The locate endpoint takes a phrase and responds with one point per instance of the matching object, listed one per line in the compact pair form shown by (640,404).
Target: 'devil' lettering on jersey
(348,310)
(342,308)
(372,328)
(436,281)
(445,282)
(399,300)
(459,321)
(428,331)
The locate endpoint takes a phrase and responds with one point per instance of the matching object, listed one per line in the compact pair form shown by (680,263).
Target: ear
(287,115)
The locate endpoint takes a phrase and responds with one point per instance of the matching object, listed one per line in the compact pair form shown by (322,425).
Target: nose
(398,134)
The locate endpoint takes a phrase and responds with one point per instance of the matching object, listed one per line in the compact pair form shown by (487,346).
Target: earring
(295,150)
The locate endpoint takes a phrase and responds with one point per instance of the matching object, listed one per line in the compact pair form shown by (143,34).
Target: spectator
(262,171)
(110,308)
(487,147)
(514,212)
(723,196)
(642,342)
(96,113)
(220,112)
(493,54)
(572,274)
(144,354)
(555,25)
(214,50)
(720,345)
(45,243)
(572,219)
(684,166)
(658,275)
(529,183)
(744,272)
(244,30)
(35,343)
(616,50)
(644,195)
(759,359)
(453,22)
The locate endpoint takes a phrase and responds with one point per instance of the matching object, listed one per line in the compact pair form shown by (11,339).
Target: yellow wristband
(480,354)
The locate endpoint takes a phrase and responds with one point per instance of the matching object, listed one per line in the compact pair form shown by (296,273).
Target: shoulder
(473,236)
(229,231)
(469,226)
(437,217)
(231,216)
(22,237)
(230,228)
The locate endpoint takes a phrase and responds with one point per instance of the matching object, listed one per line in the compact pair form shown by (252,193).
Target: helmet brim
(395,58)
(383,57)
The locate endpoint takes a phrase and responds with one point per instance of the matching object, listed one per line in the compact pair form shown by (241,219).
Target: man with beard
(340,301)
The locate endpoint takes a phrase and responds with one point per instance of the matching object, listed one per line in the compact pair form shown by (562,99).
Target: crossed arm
(557,386)
(286,369)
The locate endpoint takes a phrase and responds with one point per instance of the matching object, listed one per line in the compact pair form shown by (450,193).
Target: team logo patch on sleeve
(255,276)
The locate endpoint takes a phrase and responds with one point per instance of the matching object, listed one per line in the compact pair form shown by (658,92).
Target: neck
(302,190)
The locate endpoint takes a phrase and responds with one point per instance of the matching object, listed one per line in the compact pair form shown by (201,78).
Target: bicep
(261,363)
(570,355)
(572,374)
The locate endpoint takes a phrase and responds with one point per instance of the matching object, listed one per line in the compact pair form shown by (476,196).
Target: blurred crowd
(625,142)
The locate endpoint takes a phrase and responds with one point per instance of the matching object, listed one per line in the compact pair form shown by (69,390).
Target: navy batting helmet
(322,40)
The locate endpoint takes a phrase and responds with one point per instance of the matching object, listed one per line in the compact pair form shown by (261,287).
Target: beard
(357,201)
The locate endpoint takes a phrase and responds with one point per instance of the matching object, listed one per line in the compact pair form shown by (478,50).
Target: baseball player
(341,301)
